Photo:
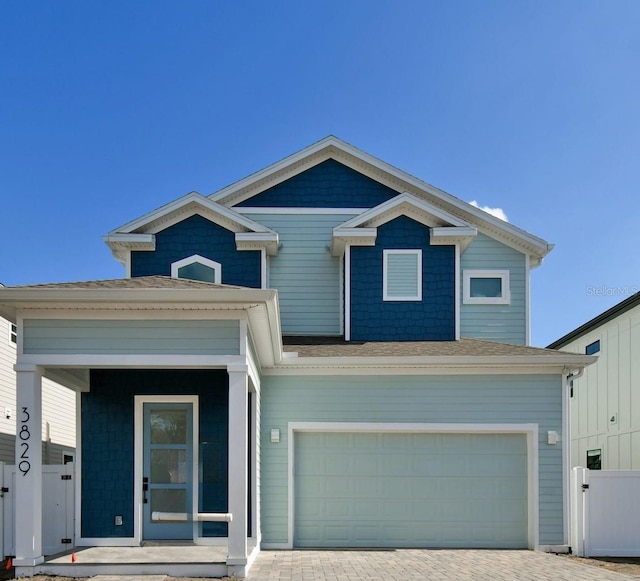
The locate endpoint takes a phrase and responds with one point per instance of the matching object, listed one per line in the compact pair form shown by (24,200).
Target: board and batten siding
(58,408)
(605,407)
(505,323)
(500,399)
(305,273)
(157,337)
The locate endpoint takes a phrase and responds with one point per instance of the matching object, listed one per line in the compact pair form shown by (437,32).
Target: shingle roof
(337,347)
(139,282)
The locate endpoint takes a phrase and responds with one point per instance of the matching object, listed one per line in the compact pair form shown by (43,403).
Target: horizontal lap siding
(506,323)
(305,273)
(442,399)
(141,337)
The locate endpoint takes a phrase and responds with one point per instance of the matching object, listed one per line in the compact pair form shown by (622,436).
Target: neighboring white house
(58,408)
(605,402)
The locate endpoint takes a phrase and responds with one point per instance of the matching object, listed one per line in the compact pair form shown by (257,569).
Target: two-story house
(327,353)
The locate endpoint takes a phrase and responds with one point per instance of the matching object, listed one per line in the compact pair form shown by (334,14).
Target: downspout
(567,379)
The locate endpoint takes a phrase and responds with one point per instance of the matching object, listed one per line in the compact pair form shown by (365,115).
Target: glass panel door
(168,469)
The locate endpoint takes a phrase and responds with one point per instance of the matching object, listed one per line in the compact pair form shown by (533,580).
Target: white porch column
(238,470)
(28,487)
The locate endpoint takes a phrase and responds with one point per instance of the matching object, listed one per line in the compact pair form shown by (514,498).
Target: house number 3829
(24,465)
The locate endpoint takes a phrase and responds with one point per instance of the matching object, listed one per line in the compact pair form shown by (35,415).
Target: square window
(592,348)
(486,287)
(402,275)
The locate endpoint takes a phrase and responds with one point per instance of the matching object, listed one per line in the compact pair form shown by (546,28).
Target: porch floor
(171,558)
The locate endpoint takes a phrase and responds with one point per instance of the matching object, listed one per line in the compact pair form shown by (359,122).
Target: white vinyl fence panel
(606,513)
(57,508)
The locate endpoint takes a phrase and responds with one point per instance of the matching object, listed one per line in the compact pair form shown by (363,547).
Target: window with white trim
(13,334)
(402,275)
(486,287)
(197,267)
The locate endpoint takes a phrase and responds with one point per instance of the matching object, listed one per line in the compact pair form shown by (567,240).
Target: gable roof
(361,230)
(333,148)
(597,321)
(139,234)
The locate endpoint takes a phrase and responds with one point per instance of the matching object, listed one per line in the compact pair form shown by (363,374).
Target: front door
(167,470)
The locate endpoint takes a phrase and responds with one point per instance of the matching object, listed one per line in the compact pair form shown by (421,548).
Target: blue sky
(111,109)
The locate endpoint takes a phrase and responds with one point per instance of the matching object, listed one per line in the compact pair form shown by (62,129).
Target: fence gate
(605,513)
(57,508)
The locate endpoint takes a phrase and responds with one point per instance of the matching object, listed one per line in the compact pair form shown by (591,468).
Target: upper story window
(402,275)
(197,267)
(592,348)
(13,334)
(486,287)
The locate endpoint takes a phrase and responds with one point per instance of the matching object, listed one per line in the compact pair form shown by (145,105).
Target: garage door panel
(410,490)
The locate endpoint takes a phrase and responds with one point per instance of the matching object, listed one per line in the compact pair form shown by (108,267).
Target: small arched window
(197,267)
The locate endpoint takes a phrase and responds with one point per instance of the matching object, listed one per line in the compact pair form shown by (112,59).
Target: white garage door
(410,490)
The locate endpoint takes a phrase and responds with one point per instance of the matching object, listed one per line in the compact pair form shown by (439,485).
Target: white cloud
(497,212)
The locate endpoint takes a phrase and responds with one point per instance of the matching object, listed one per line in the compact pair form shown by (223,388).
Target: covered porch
(168,396)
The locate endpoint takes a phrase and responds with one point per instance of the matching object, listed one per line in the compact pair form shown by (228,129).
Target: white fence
(605,513)
(57,513)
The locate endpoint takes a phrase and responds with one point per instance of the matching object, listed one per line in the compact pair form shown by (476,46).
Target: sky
(109,110)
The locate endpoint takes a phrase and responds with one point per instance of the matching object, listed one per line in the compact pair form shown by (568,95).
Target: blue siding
(432,319)
(108,443)
(197,235)
(329,184)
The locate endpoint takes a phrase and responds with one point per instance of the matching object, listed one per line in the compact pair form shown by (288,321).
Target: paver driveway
(427,565)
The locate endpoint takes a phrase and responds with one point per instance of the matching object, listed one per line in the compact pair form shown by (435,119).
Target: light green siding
(410,490)
(506,323)
(151,337)
(411,399)
(305,273)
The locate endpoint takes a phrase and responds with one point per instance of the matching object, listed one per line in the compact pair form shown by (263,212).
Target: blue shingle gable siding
(197,235)
(432,319)
(329,184)
(108,446)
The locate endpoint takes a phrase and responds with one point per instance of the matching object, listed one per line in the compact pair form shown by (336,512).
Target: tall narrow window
(197,267)
(13,333)
(402,275)
(594,459)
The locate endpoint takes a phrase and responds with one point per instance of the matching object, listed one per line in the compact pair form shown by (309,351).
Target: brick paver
(431,565)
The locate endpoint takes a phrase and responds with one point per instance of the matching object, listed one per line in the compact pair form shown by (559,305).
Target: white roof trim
(407,205)
(461,235)
(362,229)
(188,205)
(139,234)
(268,241)
(332,147)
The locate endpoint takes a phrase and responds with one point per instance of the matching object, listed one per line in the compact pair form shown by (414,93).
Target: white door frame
(138,459)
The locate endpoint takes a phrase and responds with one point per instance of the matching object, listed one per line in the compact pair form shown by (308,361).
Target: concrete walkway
(424,565)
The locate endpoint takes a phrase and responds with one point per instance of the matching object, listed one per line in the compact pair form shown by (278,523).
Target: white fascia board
(512,235)
(406,204)
(352,236)
(451,235)
(268,241)
(133,298)
(121,245)
(424,364)
(162,217)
